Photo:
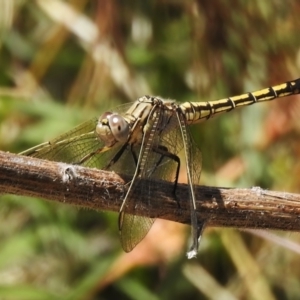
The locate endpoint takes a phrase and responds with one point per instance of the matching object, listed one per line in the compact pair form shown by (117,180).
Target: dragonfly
(144,142)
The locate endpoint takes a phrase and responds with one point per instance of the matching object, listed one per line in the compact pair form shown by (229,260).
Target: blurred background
(64,62)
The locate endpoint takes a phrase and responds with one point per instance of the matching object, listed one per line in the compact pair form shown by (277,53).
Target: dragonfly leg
(116,157)
(134,156)
(163,151)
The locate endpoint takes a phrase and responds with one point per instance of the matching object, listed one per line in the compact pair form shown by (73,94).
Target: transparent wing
(159,162)
(134,229)
(68,146)
(74,145)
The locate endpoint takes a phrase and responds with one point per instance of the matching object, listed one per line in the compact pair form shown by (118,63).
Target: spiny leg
(116,157)
(134,156)
(164,152)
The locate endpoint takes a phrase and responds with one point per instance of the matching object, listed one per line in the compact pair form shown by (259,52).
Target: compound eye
(103,130)
(119,127)
(105,116)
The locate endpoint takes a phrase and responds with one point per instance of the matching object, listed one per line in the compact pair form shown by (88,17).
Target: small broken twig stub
(102,190)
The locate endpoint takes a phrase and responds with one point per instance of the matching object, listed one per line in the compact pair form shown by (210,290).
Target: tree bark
(102,190)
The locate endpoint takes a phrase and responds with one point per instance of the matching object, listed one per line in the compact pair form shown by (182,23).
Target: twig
(102,190)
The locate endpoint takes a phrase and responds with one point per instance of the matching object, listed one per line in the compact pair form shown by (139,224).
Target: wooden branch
(101,190)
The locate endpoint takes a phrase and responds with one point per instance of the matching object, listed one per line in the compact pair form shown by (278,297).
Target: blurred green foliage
(63,62)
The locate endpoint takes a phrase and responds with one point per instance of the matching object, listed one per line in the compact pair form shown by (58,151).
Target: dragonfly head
(112,128)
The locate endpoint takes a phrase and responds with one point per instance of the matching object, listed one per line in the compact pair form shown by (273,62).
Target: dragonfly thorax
(112,128)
